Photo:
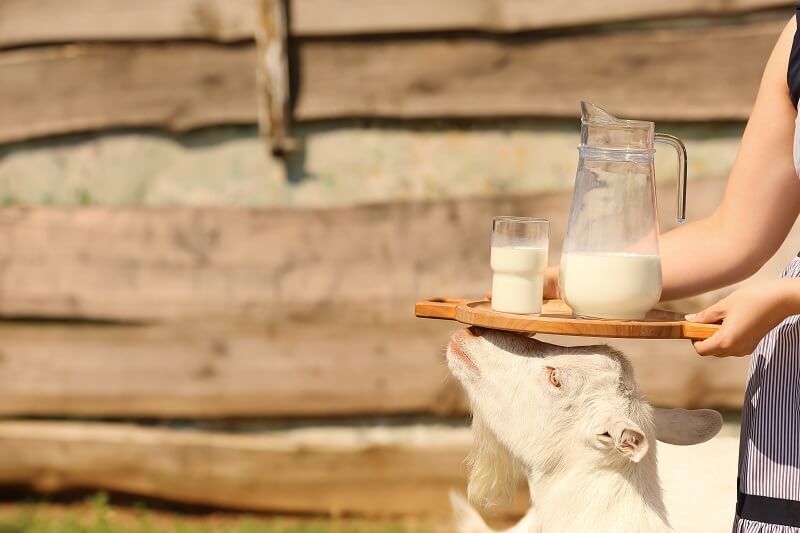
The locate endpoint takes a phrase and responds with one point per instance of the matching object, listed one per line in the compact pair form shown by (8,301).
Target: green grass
(97,516)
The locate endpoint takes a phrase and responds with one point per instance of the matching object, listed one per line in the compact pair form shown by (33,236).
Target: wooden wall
(264,313)
(99,65)
(294,318)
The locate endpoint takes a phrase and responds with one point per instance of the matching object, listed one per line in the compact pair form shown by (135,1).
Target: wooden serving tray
(557,319)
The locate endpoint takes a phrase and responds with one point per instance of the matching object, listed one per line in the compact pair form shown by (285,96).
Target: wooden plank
(274,113)
(61,89)
(24,22)
(661,74)
(672,74)
(317,369)
(324,17)
(367,471)
(223,370)
(364,264)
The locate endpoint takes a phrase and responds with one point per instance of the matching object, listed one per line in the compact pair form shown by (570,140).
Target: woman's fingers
(719,343)
(711,346)
(729,341)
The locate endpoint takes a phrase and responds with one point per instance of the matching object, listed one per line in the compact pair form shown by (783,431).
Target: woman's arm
(761,202)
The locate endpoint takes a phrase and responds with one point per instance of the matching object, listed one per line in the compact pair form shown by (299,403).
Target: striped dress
(769,451)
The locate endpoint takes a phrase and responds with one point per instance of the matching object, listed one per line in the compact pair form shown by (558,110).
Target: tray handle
(699,332)
(443,308)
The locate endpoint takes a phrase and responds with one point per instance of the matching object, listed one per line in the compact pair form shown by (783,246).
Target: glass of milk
(519,259)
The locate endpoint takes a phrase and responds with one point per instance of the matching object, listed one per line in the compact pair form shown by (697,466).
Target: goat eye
(554,381)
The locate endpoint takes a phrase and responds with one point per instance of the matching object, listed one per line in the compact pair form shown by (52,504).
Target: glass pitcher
(610,265)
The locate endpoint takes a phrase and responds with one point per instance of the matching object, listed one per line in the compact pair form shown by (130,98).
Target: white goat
(573,421)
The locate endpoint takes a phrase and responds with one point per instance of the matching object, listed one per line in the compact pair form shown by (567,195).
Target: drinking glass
(519,260)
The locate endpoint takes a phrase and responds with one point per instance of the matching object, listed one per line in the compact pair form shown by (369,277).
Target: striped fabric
(769,450)
(748,526)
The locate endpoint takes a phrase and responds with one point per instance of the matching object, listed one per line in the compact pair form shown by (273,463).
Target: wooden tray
(557,319)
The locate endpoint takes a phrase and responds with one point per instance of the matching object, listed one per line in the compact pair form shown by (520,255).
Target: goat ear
(682,427)
(625,437)
(493,471)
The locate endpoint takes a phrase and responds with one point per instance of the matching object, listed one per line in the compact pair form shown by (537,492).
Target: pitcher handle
(681,149)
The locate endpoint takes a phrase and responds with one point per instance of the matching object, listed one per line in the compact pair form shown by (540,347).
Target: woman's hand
(550,285)
(747,316)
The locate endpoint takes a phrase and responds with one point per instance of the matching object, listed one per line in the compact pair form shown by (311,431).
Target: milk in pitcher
(610,285)
(518,278)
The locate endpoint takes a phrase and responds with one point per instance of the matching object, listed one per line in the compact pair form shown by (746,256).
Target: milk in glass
(610,285)
(518,278)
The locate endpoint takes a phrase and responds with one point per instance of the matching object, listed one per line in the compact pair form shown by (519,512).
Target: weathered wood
(61,89)
(369,471)
(334,337)
(24,22)
(205,371)
(673,74)
(213,370)
(274,114)
(325,17)
(365,263)
(659,74)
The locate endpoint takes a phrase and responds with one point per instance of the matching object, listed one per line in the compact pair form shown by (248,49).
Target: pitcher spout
(594,113)
(600,129)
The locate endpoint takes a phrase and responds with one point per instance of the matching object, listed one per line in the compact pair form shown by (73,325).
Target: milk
(518,278)
(610,285)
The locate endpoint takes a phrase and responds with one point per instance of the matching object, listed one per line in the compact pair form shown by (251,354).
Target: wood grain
(442,308)
(367,471)
(274,113)
(225,370)
(277,265)
(26,22)
(673,74)
(310,369)
(556,319)
(23,22)
(128,264)
(276,290)
(325,17)
(63,89)
(656,74)
(259,265)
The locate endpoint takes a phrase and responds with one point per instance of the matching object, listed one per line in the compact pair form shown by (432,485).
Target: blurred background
(217,216)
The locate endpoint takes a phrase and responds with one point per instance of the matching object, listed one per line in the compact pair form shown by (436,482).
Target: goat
(574,422)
